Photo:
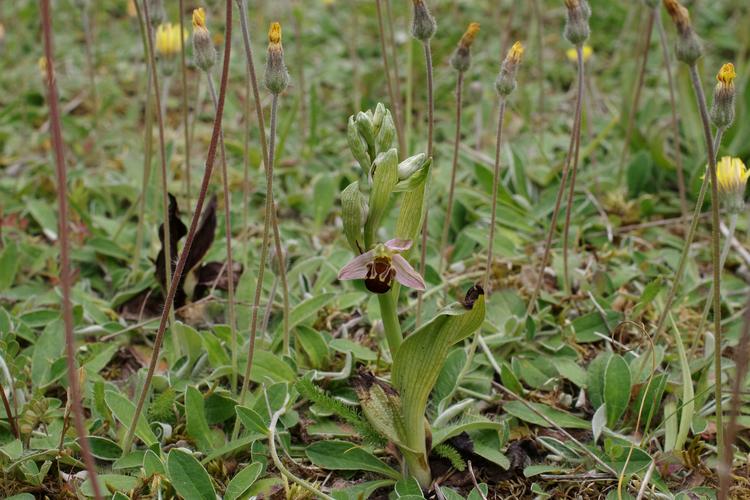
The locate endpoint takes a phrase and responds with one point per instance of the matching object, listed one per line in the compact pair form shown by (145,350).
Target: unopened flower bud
(358,146)
(387,132)
(203,47)
(423,25)
(377,117)
(277,77)
(722,110)
(461,59)
(731,179)
(577,24)
(410,165)
(353,215)
(156,12)
(412,173)
(688,48)
(506,80)
(367,131)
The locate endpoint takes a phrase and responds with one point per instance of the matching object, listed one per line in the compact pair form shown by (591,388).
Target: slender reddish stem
(65,282)
(185,118)
(454,169)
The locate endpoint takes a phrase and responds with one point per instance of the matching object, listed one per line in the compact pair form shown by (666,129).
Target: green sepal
(353,215)
(384,178)
(358,146)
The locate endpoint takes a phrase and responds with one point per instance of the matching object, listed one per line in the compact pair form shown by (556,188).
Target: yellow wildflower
(468,38)
(199,18)
(731,179)
(726,75)
(168,40)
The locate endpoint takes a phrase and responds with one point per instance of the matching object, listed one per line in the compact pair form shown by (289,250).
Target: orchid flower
(379,266)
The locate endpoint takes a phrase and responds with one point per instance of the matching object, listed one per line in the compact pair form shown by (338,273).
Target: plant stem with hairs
(228,235)
(495,184)
(65,271)
(8,412)
(270,214)
(185,113)
(633,111)
(430,135)
(722,261)
(264,250)
(191,231)
(675,120)
(701,98)
(576,138)
(454,169)
(162,154)
(148,145)
(682,263)
(555,214)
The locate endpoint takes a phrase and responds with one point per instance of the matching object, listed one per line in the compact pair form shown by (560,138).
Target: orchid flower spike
(379,266)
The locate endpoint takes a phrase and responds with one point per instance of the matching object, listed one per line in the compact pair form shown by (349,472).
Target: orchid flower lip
(381,265)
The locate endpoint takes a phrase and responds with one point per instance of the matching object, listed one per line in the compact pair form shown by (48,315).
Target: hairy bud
(423,25)
(577,28)
(722,110)
(688,48)
(506,80)
(461,59)
(277,76)
(203,47)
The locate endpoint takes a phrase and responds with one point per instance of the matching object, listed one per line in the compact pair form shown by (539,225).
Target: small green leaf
(596,379)
(152,464)
(561,418)
(110,482)
(242,481)
(342,455)
(188,476)
(8,265)
(197,426)
(124,410)
(616,388)
(104,449)
(252,421)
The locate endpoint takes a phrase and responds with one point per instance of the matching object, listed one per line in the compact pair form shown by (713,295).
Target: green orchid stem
(391,326)
(724,254)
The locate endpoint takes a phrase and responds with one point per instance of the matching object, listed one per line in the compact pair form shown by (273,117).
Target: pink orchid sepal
(381,265)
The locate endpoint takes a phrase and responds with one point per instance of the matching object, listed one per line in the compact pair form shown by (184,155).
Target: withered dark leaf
(204,236)
(177,231)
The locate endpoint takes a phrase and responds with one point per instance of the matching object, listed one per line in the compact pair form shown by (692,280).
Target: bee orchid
(379,266)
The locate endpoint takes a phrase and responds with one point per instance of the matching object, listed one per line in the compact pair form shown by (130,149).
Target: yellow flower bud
(722,109)
(506,80)
(276,75)
(199,18)
(727,75)
(461,59)
(203,47)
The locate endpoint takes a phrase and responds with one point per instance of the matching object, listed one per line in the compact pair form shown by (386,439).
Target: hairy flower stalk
(276,80)
(576,31)
(211,156)
(227,216)
(673,106)
(689,50)
(732,177)
(65,271)
(269,216)
(184,101)
(505,84)
(423,28)
(151,55)
(461,61)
